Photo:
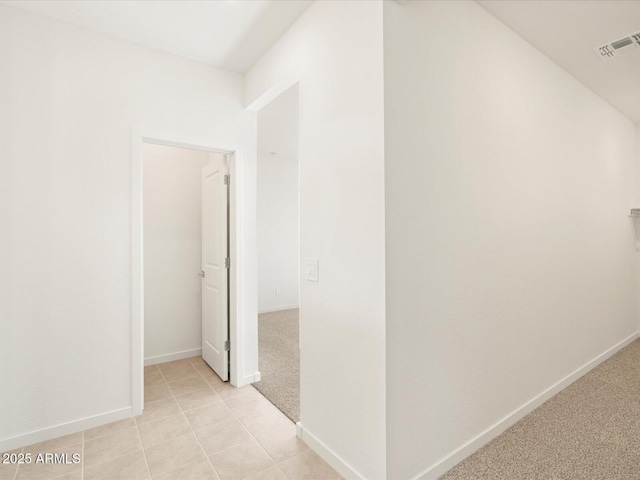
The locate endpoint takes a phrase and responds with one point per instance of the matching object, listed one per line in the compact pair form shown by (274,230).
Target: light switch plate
(311,269)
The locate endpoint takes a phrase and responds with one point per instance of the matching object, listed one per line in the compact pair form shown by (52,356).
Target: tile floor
(194,427)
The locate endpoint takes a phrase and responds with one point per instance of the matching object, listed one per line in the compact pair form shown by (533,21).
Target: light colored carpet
(279,360)
(590,430)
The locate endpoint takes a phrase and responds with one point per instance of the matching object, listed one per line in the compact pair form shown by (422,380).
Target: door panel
(215,308)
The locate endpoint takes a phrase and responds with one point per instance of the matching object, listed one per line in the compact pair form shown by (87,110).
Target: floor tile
(109,447)
(175,365)
(157,410)
(273,473)
(237,463)
(267,422)
(14,451)
(186,385)
(154,379)
(281,445)
(75,475)
(160,431)
(222,436)
(208,416)
(197,361)
(276,434)
(55,443)
(8,470)
(197,398)
(251,405)
(162,442)
(173,454)
(128,467)
(180,373)
(308,466)
(48,470)
(226,390)
(109,428)
(200,470)
(157,392)
(208,374)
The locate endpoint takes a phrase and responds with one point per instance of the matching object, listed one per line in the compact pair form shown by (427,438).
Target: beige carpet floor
(279,360)
(590,430)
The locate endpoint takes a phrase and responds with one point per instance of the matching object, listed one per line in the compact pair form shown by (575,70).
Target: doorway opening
(183,254)
(278,237)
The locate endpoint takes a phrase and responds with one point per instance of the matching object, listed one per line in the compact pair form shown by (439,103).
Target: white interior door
(215,284)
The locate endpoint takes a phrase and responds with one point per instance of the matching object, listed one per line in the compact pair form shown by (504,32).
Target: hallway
(589,430)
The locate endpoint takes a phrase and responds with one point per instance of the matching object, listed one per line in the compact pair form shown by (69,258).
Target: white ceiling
(229,34)
(234,34)
(567,31)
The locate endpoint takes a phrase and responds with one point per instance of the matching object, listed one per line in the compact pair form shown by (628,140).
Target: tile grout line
(192,430)
(281,471)
(15,475)
(144,455)
(191,426)
(173,396)
(82,458)
(111,459)
(276,463)
(235,416)
(227,448)
(254,438)
(56,438)
(105,434)
(188,423)
(239,421)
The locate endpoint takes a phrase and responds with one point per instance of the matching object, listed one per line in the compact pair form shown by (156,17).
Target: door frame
(268,95)
(137,252)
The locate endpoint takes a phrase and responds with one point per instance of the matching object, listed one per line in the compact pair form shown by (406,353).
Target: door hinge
(227,179)
(227,262)
(227,346)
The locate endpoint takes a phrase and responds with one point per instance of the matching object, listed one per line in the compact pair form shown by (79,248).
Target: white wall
(337,48)
(172,252)
(510,257)
(277,212)
(635,222)
(70,98)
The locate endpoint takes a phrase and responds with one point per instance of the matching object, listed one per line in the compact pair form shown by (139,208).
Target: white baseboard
(328,455)
(64,429)
(249,379)
(277,309)
(170,357)
(455,457)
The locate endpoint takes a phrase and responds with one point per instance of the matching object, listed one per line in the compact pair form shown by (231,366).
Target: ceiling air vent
(623,45)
